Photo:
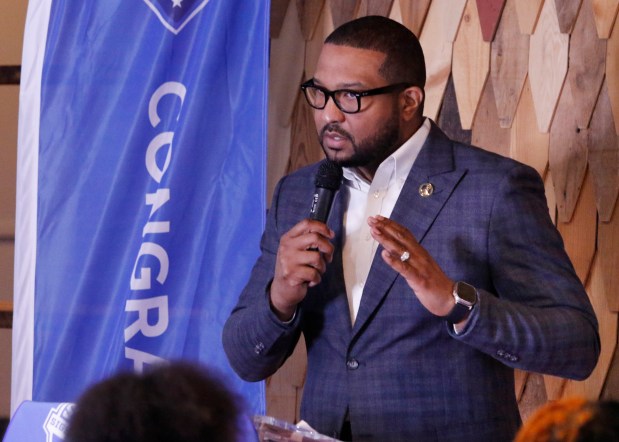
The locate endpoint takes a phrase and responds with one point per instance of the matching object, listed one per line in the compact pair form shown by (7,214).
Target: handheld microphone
(327,182)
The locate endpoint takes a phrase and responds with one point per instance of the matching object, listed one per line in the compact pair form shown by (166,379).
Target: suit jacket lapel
(336,268)
(434,165)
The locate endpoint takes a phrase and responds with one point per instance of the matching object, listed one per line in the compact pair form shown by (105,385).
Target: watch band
(457,313)
(465,297)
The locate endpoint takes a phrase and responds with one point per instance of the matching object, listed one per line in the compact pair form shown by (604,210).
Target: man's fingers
(310,226)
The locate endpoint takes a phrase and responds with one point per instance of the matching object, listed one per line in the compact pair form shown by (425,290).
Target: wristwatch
(465,296)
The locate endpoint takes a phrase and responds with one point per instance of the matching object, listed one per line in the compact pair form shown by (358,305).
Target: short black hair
(178,402)
(404,62)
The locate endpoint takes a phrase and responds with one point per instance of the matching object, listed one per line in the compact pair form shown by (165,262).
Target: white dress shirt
(369,199)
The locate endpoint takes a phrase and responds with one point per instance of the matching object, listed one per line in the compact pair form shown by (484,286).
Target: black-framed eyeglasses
(346,100)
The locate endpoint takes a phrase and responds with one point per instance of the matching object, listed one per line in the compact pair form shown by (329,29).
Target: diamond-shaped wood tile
(309,14)
(612,73)
(605,13)
(586,65)
(278,13)
(414,14)
(603,157)
(528,11)
(342,10)
(528,144)
(579,233)
(567,156)
(509,63)
(375,7)
(608,256)
(285,78)
(437,36)
(486,132)
(567,10)
(548,57)
(470,65)
(489,15)
(449,118)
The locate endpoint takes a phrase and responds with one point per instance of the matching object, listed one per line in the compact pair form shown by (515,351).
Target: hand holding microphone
(305,250)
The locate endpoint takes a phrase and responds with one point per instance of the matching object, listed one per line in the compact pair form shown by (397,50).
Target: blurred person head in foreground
(573,419)
(174,402)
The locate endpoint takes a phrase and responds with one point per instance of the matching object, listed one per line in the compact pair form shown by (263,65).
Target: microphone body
(322,200)
(327,182)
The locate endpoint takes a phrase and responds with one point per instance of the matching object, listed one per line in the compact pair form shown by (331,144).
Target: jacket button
(352,364)
(259,348)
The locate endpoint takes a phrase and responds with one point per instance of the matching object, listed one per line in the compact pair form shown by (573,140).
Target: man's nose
(331,112)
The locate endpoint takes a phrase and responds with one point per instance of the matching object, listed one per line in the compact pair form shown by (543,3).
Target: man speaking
(437,273)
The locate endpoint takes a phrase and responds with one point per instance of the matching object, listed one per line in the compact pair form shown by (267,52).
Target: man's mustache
(334,128)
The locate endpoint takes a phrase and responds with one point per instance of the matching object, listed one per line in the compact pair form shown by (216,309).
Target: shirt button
(376,194)
(352,364)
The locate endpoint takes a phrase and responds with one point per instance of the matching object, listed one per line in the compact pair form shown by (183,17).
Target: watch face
(467,293)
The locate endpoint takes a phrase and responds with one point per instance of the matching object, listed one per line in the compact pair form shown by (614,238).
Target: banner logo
(175,14)
(56,422)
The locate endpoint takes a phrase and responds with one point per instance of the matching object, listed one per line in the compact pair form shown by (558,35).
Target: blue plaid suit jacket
(401,373)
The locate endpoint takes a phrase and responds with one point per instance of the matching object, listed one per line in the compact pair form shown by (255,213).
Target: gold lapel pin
(426,189)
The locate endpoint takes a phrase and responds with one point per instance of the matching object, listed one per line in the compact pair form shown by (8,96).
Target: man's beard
(371,151)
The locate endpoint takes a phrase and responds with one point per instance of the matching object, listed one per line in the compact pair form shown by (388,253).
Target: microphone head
(329,175)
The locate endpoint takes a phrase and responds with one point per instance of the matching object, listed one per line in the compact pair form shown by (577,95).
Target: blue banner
(150,185)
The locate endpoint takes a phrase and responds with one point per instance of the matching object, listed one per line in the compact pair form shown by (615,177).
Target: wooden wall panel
(309,14)
(509,62)
(567,156)
(587,65)
(608,256)
(342,10)
(612,73)
(489,17)
(528,145)
(603,149)
(414,14)
(278,13)
(470,64)
(579,233)
(437,36)
(605,13)
(449,117)
(567,10)
(375,7)
(548,57)
(487,132)
(528,12)
(525,104)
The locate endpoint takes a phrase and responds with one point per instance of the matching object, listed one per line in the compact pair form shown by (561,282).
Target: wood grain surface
(489,17)
(548,62)
(605,14)
(470,64)
(587,65)
(509,63)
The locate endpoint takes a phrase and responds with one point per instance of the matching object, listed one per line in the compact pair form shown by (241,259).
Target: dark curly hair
(176,402)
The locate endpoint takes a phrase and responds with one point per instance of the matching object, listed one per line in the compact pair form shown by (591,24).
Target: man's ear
(411,102)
